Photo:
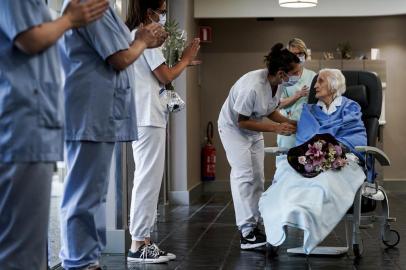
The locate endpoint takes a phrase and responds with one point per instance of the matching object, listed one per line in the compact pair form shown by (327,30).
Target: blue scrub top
(31,97)
(99,101)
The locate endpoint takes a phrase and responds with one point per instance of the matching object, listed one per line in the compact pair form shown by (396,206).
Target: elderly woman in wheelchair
(312,194)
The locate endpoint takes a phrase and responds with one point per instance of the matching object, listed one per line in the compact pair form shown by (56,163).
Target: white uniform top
(333,106)
(251,96)
(150,110)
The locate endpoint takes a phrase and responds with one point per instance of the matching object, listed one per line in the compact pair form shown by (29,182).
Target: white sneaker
(371,191)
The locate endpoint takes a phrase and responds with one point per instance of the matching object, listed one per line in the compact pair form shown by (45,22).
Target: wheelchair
(366,89)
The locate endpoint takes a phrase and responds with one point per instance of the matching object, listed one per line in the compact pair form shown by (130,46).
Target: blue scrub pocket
(49,101)
(122,101)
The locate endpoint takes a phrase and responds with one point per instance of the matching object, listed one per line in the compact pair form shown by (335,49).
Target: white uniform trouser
(25,190)
(149,158)
(83,207)
(245,155)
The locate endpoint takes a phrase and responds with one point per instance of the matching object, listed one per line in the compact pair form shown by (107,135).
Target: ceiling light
(297,3)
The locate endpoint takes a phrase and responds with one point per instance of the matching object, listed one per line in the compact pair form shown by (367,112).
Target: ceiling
(270,8)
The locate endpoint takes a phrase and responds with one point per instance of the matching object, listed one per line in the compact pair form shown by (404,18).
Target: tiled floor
(203,236)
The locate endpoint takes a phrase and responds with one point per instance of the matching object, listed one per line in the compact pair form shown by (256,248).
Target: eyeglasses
(299,54)
(160,12)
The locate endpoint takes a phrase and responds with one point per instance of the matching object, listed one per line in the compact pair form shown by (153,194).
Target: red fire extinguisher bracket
(209,156)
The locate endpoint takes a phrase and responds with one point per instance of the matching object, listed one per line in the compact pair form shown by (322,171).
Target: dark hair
(280,59)
(137,11)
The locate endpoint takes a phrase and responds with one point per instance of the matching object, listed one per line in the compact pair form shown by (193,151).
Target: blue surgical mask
(291,81)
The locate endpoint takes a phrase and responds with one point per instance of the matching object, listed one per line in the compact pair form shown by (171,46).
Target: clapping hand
(81,13)
(154,35)
(191,51)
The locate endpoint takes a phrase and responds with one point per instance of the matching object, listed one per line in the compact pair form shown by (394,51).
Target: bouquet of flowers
(321,153)
(172,50)
(174,44)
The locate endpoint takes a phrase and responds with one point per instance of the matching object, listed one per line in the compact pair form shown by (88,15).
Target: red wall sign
(205,34)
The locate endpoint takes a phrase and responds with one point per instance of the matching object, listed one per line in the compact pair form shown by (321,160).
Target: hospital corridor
(202,134)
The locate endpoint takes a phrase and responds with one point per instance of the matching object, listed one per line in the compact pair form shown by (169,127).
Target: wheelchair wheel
(394,239)
(357,249)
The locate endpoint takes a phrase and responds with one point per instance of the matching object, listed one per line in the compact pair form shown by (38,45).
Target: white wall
(270,8)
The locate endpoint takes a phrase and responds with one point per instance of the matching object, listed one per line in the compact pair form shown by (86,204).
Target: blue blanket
(345,124)
(318,204)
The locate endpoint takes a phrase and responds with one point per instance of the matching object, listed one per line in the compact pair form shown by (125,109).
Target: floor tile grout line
(187,219)
(199,209)
(228,250)
(204,232)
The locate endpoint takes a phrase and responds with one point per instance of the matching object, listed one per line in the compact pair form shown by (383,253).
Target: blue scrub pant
(83,217)
(25,190)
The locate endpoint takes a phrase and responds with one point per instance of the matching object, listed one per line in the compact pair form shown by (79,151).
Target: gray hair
(336,81)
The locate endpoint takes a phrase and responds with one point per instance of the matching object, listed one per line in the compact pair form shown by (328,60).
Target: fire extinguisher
(209,156)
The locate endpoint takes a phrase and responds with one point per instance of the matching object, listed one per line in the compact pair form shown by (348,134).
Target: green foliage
(174,44)
(344,49)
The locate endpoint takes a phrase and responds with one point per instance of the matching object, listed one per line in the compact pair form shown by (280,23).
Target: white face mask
(162,18)
(302,59)
(292,81)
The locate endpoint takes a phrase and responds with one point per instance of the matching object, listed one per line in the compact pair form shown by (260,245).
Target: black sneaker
(163,253)
(146,254)
(253,240)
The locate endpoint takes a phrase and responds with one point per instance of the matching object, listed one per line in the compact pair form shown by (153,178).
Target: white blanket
(315,205)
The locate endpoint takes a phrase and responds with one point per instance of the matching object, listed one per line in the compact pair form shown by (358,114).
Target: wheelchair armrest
(276,150)
(376,153)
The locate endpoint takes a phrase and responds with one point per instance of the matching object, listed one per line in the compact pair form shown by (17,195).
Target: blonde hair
(299,44)
(336,81)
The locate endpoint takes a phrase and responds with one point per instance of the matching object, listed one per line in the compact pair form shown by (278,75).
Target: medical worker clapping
(100,111)
(151,75)
(31,122)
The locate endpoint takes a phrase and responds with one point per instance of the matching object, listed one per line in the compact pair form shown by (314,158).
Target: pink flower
(339,162)
(309,168)
(339,150)
(315,149)
(317,161)
(302,160)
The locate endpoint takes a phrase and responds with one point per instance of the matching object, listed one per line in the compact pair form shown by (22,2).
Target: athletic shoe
(146,254)
(253,240)
(163,253)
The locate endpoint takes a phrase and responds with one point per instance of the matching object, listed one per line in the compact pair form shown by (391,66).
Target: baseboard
(394,185)
(186,197)
(118,241)
(218,186)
